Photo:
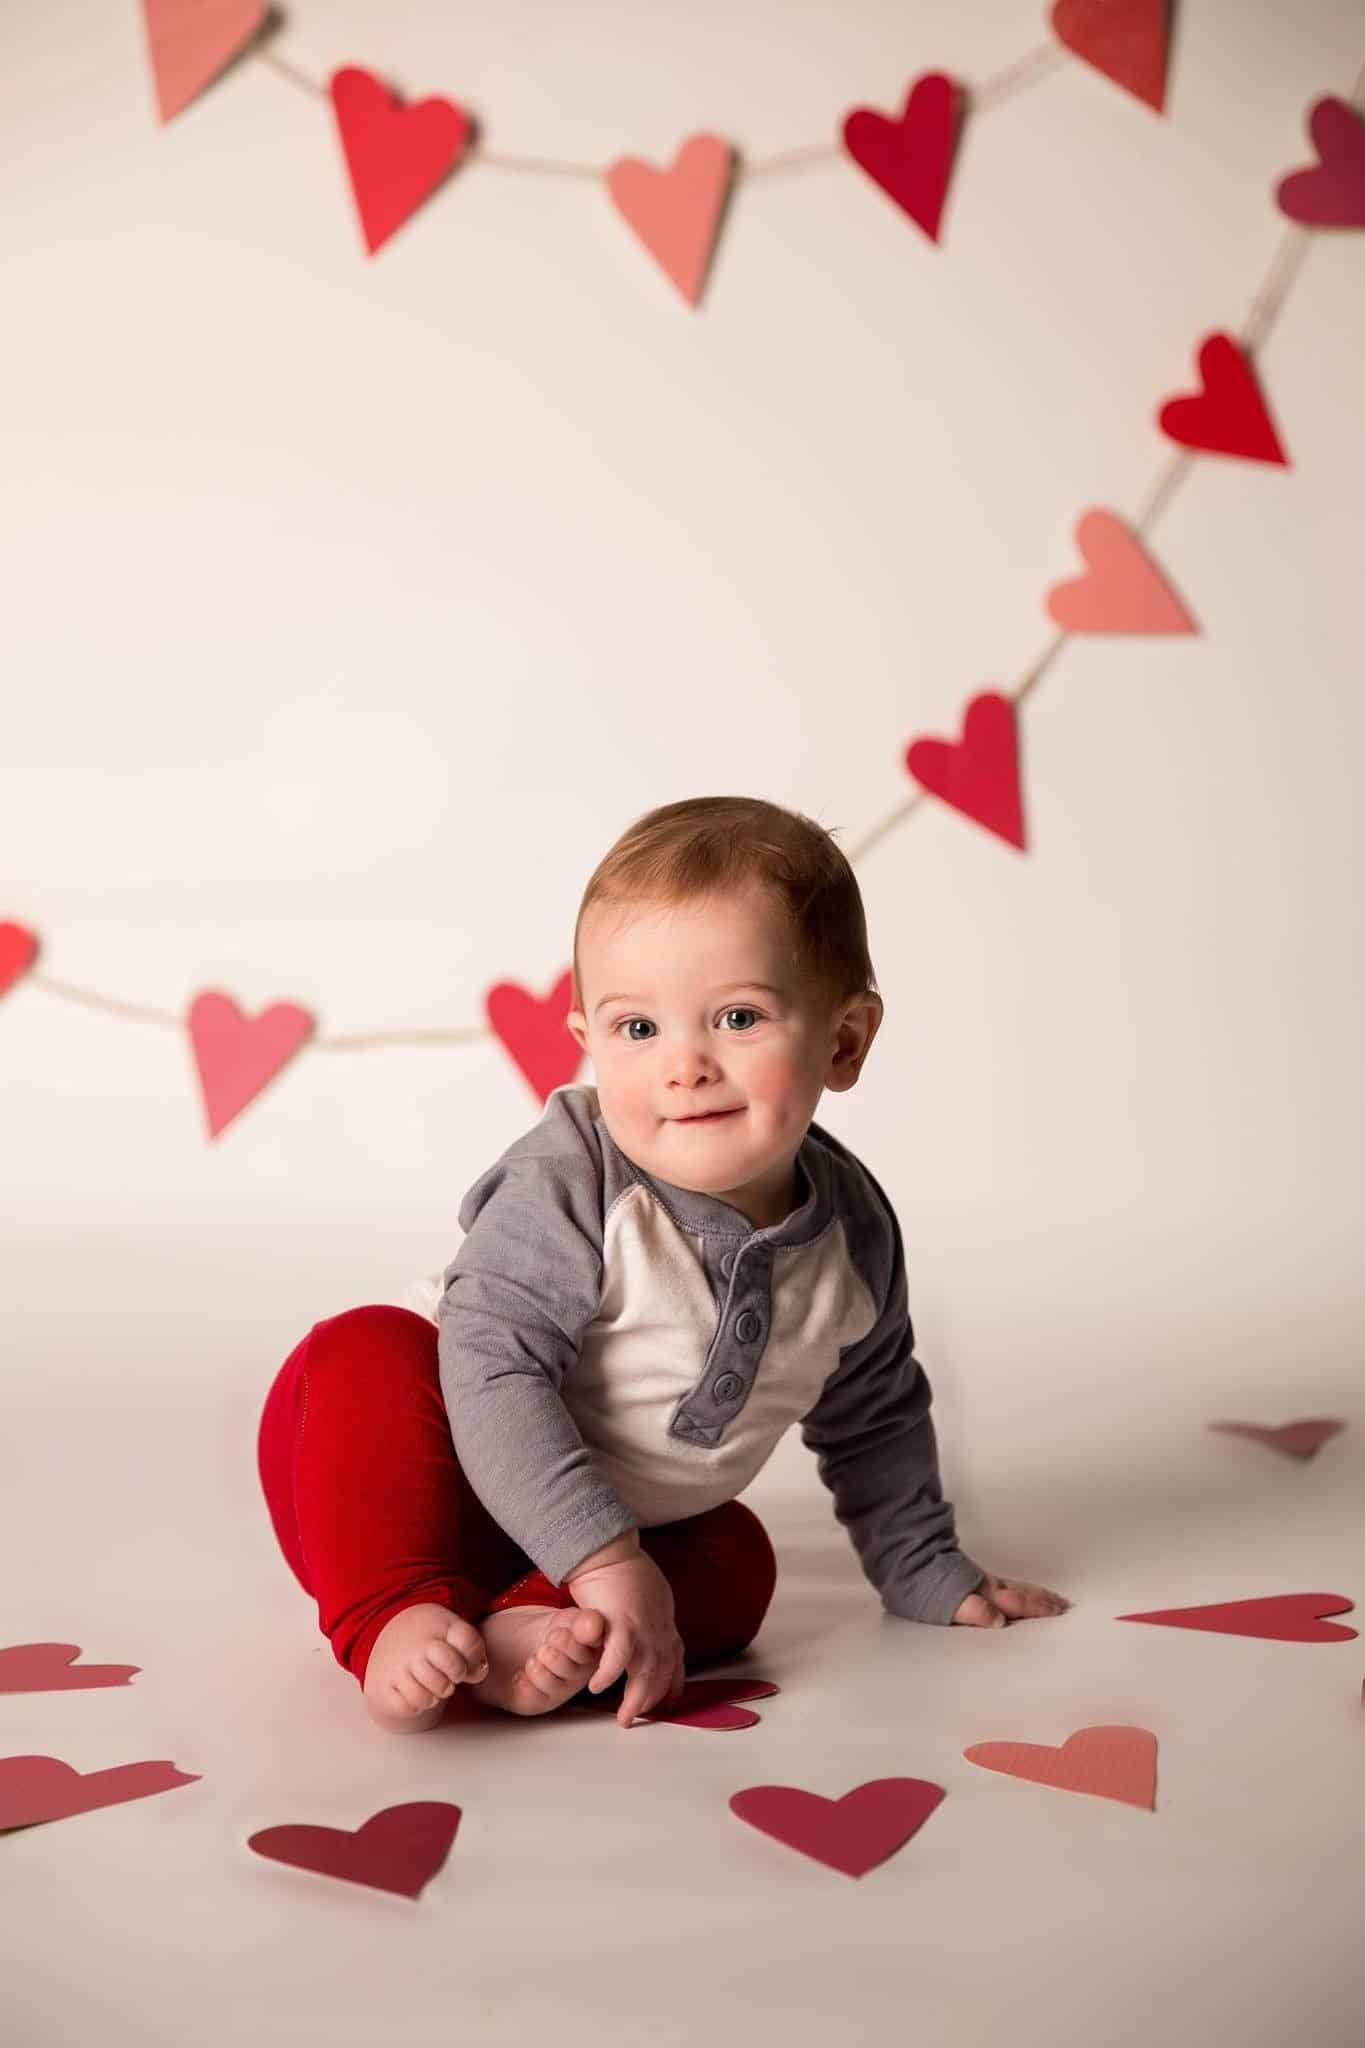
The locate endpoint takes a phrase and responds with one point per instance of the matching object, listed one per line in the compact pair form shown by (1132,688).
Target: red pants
(373,1513)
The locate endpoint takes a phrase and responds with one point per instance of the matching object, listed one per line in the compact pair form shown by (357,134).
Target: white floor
(599,1889)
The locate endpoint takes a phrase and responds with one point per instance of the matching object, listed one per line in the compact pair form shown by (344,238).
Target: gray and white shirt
(616,1352)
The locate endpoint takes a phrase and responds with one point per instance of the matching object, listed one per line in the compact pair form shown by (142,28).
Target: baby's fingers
(1017,1597)
(614,1658)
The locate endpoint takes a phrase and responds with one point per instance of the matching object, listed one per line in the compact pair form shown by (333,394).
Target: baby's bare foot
(418,1659)
(538,1657)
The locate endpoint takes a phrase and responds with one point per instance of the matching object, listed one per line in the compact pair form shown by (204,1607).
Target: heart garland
(396,156)
(677,213)
(911,157)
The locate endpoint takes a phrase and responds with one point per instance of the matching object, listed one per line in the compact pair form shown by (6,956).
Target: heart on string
(398,1850)
(1301,1439)
(911,158)
(18,951)
(1123,592)
(978,775)
(534,1031)
(38,1788)
(236,1055)
(1228,416)
(1125,39)
(708,1703)
(677,212)
(49,1667)
(1111,1763)
(1279,1618)
(396,155)
(850,1834)
(1331,192)
(191,41)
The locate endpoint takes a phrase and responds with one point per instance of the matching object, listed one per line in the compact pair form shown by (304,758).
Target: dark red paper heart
(397,1850)
(978,775)
(911,158)
(1330,193)
(1228,417)
(849,1834)
(533,1031)
(709,1703)
(49,1667)
(38,1788)
(395,155)
(1279,1617)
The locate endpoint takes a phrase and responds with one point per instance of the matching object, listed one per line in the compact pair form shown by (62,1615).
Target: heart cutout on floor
(1110,1762)
(1228,416)
(395,155)
(397,1850)
(709,1703)
(49,1667)
(850,1834)
(1301,1439)
(38,1788)
(236,1055)
(1279,1618)
(534,1033)
(1127,42)
(676,212)
(191,41)
(979,774)
(1123,591)
(1330,193)
(911,157)
(18,951)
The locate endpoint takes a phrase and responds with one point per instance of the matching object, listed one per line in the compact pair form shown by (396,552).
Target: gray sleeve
(522,1287)
(876,1451)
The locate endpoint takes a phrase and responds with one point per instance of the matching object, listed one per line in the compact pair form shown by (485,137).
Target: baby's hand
(637,1601)
(998,1601)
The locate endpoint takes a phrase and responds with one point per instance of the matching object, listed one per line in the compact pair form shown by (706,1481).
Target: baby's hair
(713,845)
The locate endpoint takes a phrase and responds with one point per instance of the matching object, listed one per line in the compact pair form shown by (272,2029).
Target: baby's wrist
(617,1551)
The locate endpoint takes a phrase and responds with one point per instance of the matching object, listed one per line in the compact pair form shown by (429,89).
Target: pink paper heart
(849,1834)
(1331,193)
(236,1055)
(1279,1618)
(395,155)
(1112,1763)
(979,774)
(1228,416)
(1123,592)
(708,1703)
(911,158)
(48,1667)
(191,41)
(397,1850)
(534,1032)
(677,212)
(1301,1439)
(18,951)
(38,1788)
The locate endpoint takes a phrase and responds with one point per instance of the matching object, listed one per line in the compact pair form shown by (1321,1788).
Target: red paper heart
(397,1850)
(849,1834)
(911,158)
(18,951)
(1125,39)
(534,1031)
(48,1667)
(1302,1439)
(1111,1763)
(1279,1618)
(677,212)
(191,41)
(1228,417)
(708,1703)
(236,1055)
(1331,193)
(37,1788)
(396,155)
(1124,591)
(978,775)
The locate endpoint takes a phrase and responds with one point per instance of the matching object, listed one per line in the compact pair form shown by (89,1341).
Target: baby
(667,1271)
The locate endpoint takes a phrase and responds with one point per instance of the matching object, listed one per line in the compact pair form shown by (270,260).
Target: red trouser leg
(374,1514)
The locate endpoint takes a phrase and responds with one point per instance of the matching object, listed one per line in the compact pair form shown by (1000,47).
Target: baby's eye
(736,1010)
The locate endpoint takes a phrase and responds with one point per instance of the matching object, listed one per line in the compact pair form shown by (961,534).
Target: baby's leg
(723,1571)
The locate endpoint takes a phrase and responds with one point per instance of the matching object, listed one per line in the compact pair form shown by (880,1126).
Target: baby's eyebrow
(726,988)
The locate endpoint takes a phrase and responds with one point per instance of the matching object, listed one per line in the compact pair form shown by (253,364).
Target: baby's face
(677,1021)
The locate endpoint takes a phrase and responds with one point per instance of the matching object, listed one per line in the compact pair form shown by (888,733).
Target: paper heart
(978,775)
(534,1032)
(48,1667)
(236,1055)
(708,1703)
(397,1850)
(849,1834)
(38,1788)
(911,158)
(1279,1618)
(1123,592)
(1228,417)
(191,41)
(18,951)
(1301,1439)
(1112,1763)
(1331,193)
(395,155)
(1125,39)
(676,212)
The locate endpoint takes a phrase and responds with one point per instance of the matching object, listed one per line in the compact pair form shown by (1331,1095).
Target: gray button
(747,1326)
(727,1386)
(727,1264)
